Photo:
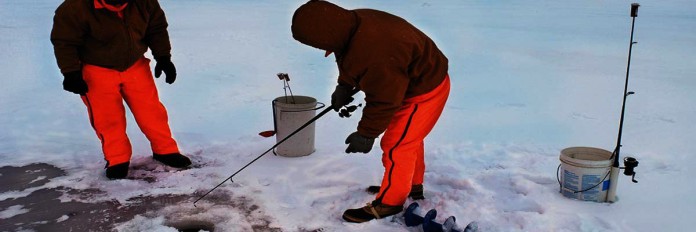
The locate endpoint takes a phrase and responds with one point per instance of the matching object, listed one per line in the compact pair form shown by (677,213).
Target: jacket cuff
(344,84)
(72,74)
(167,58)
(367,134)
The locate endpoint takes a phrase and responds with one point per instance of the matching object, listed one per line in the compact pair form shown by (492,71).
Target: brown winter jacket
(379,53)
(84,34)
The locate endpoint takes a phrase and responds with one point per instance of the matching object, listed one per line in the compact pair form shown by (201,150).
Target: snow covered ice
(528,79)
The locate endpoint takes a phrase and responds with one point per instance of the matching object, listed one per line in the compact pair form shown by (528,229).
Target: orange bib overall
(402,143)
(108,89)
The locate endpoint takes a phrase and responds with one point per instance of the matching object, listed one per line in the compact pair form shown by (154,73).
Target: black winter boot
(415,194)
(370,212)
(173,160)
(118,171)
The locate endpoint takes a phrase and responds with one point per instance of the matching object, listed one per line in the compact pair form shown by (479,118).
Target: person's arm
(67,36)
(385,88)
(157,36)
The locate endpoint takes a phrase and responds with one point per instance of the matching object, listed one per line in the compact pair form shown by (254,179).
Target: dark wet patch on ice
(29,176)
(147,171)
(46,212)
(42,210)
(259,220)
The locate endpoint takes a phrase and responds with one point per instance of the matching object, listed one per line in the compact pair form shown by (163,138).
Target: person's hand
(358,143)
(341,97)
(73,82)
(164,64)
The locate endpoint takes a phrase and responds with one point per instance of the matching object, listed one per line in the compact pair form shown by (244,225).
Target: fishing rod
(629,162)
(322,113)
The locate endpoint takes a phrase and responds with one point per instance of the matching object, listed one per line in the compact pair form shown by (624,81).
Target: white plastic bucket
(581,171)
(289,114)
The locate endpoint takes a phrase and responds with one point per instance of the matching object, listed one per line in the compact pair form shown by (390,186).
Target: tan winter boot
(370,212)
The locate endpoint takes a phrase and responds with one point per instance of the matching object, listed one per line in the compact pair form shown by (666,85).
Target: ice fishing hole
(194,226)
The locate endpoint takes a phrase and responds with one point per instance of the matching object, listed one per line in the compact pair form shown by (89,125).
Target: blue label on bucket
(589,184)
(605,185)
(589,181)
(570,180)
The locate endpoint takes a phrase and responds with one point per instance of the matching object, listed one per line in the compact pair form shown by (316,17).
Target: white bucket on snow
(289,114)
(581,171)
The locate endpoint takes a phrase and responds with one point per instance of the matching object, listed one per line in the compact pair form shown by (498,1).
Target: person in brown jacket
(99,46)
(404,78)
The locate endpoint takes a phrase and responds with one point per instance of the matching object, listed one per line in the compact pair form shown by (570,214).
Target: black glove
(341,97)
(73,82)
(165,64)
(358,143)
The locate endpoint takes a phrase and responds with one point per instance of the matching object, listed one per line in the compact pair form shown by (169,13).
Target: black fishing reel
(348,110)
(630,164)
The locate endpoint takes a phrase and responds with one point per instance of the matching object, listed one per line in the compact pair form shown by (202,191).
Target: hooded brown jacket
(379,53)
(83,34)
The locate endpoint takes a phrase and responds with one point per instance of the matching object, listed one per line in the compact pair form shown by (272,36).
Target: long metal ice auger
(611,195)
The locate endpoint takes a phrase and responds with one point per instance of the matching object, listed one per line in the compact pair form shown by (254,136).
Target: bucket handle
(315,108)
(558,178)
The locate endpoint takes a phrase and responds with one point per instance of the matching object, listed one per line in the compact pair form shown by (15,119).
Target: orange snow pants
(402,143)
(108,89)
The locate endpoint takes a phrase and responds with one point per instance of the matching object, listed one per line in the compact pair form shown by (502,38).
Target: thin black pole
(322,113)
(617,151)
(266,152)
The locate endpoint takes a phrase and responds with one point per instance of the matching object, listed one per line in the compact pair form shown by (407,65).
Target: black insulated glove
(164,64)
(341,97)
(74,83)
(358,143)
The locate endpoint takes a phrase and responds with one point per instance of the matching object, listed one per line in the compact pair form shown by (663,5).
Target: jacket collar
(100,4)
